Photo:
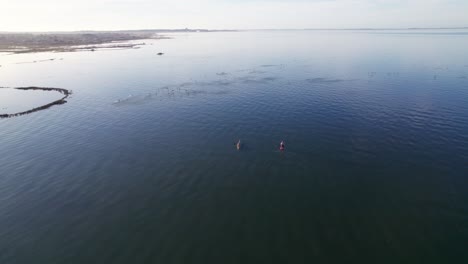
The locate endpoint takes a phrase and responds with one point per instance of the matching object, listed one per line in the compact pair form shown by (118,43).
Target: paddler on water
(282,146)
(238,145)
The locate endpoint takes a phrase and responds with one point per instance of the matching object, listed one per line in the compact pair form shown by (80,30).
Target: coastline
(32,42)
(16,43)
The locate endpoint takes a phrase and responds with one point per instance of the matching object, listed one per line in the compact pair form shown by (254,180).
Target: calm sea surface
(140,165)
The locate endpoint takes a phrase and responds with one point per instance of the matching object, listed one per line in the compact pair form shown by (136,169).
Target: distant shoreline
(356,29)
(120,31)
(156,31)
(31,42)
(70,41)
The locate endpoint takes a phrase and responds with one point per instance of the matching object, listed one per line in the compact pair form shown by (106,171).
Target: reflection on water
(141,165)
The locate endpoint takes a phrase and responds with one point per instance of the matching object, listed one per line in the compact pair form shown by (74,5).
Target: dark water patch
(324,80)
(371,74)
(173,93)
(215,83)
(220,92)
(393,74)
(201,83)
(249,80)
(193,88)
(188,89)
(257,72)
(271,65)
(441,68)
(262,69)
(61,101)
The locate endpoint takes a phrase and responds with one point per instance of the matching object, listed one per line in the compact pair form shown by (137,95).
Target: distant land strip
(356,29)
(29,42)
(61,101)
(67,42)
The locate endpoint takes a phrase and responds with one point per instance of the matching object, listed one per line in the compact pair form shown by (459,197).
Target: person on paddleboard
(238,145)
(282,146)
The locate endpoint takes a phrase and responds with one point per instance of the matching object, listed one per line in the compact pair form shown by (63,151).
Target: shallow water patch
(27,100)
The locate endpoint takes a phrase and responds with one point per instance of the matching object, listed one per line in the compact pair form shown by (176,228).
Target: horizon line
(221,30)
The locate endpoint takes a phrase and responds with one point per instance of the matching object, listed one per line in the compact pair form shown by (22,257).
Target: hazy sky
(38,15)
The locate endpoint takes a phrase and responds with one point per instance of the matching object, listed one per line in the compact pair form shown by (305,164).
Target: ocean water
(140,165)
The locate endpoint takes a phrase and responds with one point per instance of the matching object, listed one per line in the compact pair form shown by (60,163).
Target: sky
(65,15)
